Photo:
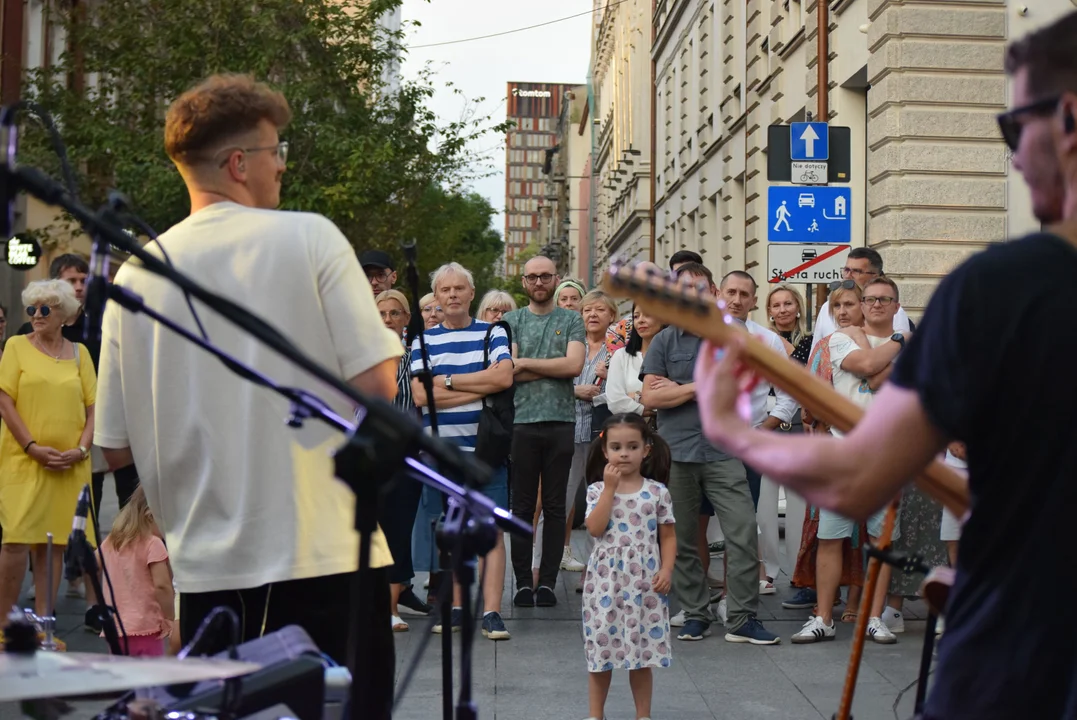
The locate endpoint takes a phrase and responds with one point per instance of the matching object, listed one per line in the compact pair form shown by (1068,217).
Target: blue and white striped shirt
(459,352)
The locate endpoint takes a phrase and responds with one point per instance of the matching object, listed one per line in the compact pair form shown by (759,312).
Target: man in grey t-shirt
(699,469)
(548,348)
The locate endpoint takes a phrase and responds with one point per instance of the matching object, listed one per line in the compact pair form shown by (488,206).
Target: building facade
(534,110)
(621,148)
(563,212)
(917,84)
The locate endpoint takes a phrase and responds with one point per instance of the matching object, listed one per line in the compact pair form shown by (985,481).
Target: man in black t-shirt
(988,366)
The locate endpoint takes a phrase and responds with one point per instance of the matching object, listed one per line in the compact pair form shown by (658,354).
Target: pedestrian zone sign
(809,214)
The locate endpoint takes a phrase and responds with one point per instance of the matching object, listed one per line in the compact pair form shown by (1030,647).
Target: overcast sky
(555,53)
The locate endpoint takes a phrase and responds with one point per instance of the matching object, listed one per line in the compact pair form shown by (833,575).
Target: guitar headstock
(690,306)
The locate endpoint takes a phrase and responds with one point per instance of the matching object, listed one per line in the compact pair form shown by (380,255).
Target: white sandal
(399,625)
(766,587)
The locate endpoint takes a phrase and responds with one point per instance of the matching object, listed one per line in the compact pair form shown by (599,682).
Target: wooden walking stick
(875,566)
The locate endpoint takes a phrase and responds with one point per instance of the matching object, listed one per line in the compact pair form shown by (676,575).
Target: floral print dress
(625,622)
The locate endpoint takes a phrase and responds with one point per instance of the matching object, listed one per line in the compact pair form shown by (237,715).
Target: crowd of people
(582,374)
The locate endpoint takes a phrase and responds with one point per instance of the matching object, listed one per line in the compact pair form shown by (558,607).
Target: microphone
(97,284)
(9,141)
(77,539)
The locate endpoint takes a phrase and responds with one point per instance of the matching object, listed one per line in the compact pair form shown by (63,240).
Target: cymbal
(55,674)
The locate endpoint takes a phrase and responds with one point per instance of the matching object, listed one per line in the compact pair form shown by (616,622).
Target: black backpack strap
(486,343)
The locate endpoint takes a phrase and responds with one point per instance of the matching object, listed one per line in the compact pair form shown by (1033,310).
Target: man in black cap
(378,267)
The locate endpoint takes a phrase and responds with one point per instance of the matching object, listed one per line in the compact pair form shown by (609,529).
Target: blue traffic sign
(809,214)
(809,141)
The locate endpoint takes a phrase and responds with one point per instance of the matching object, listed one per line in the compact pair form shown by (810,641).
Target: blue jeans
(424,547)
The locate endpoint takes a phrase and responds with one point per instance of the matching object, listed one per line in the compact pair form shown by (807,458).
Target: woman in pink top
(142,578)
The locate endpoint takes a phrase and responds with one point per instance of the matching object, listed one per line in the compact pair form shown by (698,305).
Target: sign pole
(823,11)
(808,311)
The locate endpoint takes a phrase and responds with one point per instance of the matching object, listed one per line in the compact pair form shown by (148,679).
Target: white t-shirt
(242,499)
(786,406)
(623,382)
(851,386)
(824,324)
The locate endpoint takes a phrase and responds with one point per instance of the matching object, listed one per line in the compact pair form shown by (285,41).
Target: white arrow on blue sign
(809,141)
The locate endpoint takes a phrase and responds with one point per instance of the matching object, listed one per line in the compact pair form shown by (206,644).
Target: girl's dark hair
(655,465)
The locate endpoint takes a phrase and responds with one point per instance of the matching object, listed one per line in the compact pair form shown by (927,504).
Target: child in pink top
(141,577)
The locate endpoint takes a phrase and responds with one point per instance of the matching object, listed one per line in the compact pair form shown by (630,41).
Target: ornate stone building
(918,84)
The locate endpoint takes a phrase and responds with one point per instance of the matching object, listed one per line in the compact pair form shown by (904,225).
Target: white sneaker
(878,632)
(815,630)
(677,620)
(570,563)
(722,610)
(893,619)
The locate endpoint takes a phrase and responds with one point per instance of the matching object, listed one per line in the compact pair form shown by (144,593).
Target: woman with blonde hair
(135,554)
(495,304)
(401,504)
(785,310)
(432,313)
(47,392)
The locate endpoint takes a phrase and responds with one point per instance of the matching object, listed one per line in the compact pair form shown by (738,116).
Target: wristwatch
(898,338)
(448,382)
(84,452)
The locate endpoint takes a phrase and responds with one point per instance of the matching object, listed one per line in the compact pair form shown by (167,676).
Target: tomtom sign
(516,92)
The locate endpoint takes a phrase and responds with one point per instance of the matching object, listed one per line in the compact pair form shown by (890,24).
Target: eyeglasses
(857,271)
(44,309)
(1009,122)
(280,148)
(842,284)
(378,275)
(884,301)
(497,311)
(394,314)
(544,278)
(432,309)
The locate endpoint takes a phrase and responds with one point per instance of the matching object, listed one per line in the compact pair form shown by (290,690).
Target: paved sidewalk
(540,674)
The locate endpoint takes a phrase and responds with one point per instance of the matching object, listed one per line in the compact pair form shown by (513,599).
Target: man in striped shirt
(461,380)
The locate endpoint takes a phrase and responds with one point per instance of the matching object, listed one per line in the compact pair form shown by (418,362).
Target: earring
(772,318)
(798,314)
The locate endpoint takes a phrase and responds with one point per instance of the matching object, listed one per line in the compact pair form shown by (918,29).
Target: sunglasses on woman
(44,310)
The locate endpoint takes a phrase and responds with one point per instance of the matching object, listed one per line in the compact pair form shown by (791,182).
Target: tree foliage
(379,163)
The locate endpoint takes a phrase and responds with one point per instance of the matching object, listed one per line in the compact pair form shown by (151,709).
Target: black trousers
(397,518)
(755,483)
(322,606)
(541,451)
(124,490)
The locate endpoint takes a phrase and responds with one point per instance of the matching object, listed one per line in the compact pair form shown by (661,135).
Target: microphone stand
(445,572)
(909,564)
(87,562)
(385,432)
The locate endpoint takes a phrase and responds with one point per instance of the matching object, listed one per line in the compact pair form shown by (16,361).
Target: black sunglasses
(843,284)
(45,310)
(1009,122)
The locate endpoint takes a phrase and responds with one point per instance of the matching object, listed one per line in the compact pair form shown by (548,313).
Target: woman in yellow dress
(47,392)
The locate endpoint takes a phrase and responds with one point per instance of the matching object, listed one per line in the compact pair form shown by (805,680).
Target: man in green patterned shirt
(548,348)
